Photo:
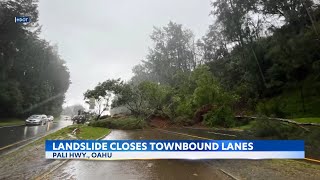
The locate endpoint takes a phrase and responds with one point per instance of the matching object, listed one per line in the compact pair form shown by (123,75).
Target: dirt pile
(159,122)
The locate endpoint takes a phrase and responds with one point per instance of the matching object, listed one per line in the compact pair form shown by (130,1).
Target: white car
(50,118)
(37,120)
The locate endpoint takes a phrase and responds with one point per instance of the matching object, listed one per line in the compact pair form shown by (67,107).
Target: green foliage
(185,107)
(129,96)
(221,117)
(243,61)
(264,59)
(208,90)
(271,108)
(183,120)
(245,126)
(270,128)
(155,95)
(33,77)
(308,120)
(101,94)
(147,97)
(11,122)
(294,11)
(125,123)
(290,104)
(141,99)
(278,130)
(85,132)
(203,90)
(232,16)
(10,98)
(172,52)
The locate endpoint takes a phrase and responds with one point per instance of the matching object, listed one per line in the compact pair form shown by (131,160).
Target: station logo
(22,19)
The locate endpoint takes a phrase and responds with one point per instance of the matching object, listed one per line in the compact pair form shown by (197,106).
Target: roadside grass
(308,120)
(300,120)
(269,129)
(247,126)
(86,132)
(126,123)
(11,122)
(89,132)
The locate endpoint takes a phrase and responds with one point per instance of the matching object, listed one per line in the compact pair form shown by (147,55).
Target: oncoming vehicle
(67,118)
(79,119)
(37,120)
(50,118)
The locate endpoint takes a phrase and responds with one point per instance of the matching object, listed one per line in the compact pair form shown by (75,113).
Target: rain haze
(104,39)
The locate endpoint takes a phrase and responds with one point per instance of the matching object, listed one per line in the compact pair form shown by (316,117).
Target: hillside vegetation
(257,57)
(33,77)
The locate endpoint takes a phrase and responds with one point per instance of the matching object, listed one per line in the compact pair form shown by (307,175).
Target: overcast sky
(102,39)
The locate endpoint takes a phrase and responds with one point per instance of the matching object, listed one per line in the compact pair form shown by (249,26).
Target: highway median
(11,122)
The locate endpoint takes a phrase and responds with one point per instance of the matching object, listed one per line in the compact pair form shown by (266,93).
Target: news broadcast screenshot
(160,89)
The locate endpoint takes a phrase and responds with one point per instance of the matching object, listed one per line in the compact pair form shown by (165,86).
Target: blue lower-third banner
(174,149)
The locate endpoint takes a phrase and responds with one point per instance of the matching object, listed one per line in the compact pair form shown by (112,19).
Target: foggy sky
(102,39)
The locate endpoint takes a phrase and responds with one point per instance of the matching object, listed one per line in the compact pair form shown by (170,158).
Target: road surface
(181,169)
(15,136)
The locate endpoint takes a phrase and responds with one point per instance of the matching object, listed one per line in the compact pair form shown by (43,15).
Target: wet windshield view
(160,89)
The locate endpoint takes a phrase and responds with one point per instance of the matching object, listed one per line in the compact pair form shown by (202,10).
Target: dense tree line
(33,77)
(254,52)
(265,48)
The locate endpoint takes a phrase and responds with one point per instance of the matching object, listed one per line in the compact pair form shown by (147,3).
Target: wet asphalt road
(18,135)
(158,169)
(181,169)
(139,169)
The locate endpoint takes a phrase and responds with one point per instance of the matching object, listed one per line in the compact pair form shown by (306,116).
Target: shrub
(125,123)
(104,117)
(222,116)
(272,129)
(272,108)
(183,120)
(264,127)
(269,128)
(185,108)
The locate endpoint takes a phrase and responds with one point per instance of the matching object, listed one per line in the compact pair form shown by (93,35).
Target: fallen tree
(301,125)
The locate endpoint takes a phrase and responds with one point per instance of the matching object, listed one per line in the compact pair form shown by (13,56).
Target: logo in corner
(21,19)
